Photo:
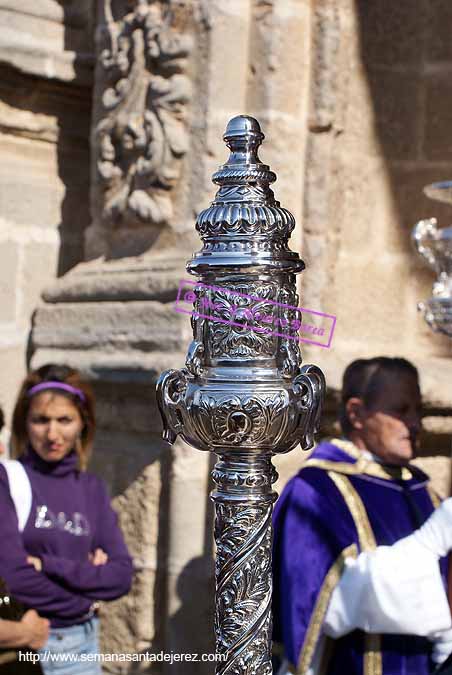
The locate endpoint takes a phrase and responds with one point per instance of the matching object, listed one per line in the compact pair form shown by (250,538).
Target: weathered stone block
(127,279)
(190,560)
(228,44)
(286,162)
(365,198)
(288,465)
(439,46)
(440,424)
(316,212)
(33,195)
(119,366)
(326,43)
(392,32)
(369,316)
(122,454)
(358,131)
(61,111)
(9,281)
(273,69)
(12,368)
(130,624)
(436,376)
(48,39)
(439,470)
(397,111)
(39,266)
(110,326)
(438,117)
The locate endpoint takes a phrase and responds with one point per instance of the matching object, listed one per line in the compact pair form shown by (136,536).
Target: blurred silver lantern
(434,244)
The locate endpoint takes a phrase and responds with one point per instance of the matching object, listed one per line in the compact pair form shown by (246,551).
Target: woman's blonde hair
(84,404)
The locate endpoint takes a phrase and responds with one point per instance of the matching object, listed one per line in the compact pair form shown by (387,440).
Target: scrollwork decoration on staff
(243,539)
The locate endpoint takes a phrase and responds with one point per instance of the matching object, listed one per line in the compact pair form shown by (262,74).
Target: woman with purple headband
(64,548)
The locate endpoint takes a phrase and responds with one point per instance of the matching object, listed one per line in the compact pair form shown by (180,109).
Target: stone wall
(378,131)
(46,66)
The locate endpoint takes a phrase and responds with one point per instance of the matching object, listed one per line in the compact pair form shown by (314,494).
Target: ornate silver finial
(243,393)
(245,221)
(243,137)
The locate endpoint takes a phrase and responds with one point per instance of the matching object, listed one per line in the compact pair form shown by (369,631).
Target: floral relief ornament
(142,135)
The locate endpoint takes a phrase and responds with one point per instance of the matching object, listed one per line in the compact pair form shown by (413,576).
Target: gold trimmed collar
(362,465)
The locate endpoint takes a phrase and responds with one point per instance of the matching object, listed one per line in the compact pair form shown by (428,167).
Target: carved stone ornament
(243,393)
(141,134)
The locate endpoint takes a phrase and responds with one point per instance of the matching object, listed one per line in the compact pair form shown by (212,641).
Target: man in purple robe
(348,599)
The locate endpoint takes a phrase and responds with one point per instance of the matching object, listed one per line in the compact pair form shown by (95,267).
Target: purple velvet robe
(315,526)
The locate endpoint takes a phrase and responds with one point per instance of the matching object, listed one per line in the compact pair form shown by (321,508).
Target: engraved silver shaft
(243,534)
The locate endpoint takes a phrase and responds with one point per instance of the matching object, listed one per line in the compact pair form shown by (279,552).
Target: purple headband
(42,386)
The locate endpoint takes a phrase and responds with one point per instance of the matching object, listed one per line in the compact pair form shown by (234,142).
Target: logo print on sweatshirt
(47,520)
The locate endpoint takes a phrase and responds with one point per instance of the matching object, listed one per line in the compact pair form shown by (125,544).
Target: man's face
(390,426)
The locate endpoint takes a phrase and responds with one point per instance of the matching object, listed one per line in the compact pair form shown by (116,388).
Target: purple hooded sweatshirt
(70,517)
